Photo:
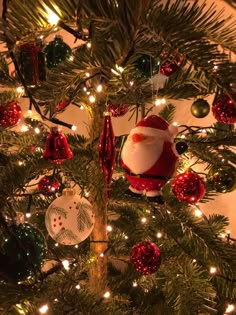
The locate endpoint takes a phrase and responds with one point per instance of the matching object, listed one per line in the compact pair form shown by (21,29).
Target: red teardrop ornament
(107,150)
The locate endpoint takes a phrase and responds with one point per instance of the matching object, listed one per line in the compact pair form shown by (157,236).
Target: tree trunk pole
(98,237)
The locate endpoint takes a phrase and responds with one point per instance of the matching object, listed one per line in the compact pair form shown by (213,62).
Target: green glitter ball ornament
(56,52)
(22,253)
(146,66)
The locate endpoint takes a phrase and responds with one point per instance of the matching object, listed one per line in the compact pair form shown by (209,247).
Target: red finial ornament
(57,148)
(107,150)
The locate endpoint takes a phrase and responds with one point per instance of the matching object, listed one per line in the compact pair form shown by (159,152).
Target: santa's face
(141,151)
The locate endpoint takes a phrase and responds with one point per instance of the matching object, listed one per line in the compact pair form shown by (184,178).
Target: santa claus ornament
(149,157)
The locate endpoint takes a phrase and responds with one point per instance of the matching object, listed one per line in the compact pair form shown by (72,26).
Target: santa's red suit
(148,156)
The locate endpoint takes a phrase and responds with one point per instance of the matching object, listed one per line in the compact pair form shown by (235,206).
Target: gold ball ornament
(69,219)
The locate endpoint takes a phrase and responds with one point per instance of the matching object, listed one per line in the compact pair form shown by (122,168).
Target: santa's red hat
(155,125)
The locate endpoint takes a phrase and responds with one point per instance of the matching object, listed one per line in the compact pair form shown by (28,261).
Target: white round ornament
(69,219)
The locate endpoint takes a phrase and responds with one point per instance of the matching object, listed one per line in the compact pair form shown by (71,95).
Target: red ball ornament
(224,109)
(48,185)
(118,110)
(57,148)
(10,114)
(145,257)
(171,64)
(188,187)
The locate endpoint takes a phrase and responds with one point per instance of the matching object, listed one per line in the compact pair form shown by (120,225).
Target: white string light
(213,270)
(144,220)
(230,308)
(107,294)
(159,235)
(53,18)
(198,213)
(109,228)
(89,45)
(66,264)
(37,130)
(135,284)
(92,99)
(73,128)
(43,309)
(78,286)
(99,88)
(24,128)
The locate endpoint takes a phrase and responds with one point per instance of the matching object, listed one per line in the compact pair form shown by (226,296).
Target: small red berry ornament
(48,185)
(10,114)
(188,187)
(145,257)
(118,110)
(224,109)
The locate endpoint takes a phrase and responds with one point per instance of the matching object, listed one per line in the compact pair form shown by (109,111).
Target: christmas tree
(94,222)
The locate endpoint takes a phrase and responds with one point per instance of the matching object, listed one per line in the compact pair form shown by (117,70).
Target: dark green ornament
(56,52)
(223,178)
(22,253)
(146,66)
(200,108)
(181,147)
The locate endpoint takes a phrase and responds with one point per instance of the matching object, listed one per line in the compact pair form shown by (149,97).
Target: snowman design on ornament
(149,157)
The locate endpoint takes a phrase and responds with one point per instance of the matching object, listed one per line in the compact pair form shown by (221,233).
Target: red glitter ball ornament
(188,187)
(145,257)
(224,109)
(48,185)
(171,64)
(57,149)
(10,114)
(118,110)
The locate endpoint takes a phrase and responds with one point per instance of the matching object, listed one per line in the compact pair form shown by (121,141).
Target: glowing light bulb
(213,270)
(20,90)
(20,163)
(24,128)
(198,213)
(157,102)
(109,228)
(85,89)
(99,88)
(144,220)
(135,284)
(107,294)
(175,123)
(66,264)
(131,83)
(56,245)
(89,45)
(37,130)
(159,235)
(73,128)
(78,286)
(87,74)
(230,308)
(53,18)
(76,246)
(43,309)
(28,215)
(92,99)
(101,255)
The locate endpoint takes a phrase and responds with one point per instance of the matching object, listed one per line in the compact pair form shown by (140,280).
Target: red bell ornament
(57,148)
(107,149)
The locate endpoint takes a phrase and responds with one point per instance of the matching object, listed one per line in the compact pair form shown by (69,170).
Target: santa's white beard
(140,157)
